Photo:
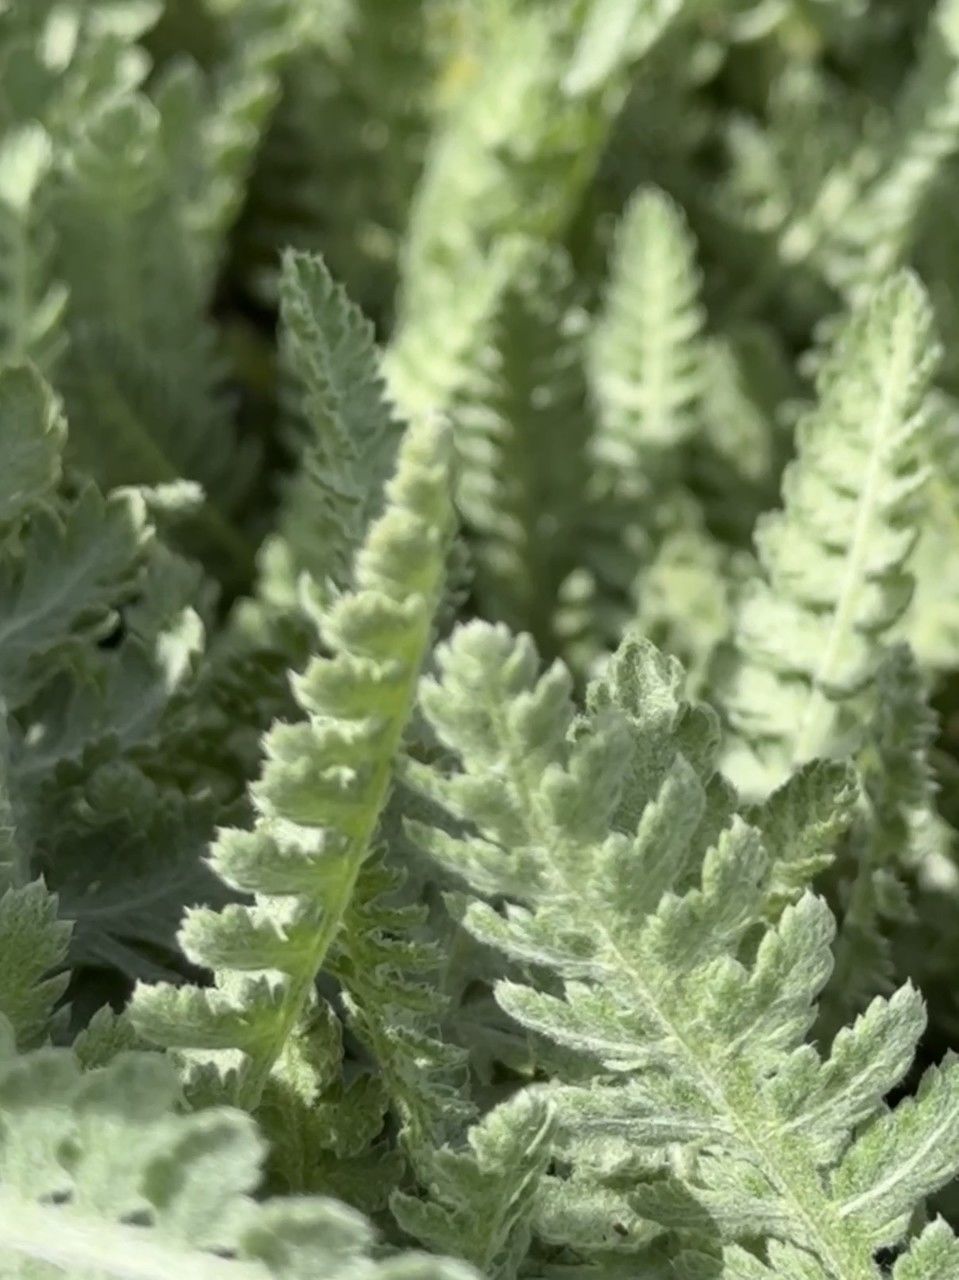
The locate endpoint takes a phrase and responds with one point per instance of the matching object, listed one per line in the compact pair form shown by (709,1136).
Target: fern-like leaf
(924,135)
(835,558)
(626,875)
(345,434)
(142,381)
(646,358)
(895,836)
(483,1197)
(506,173)
(521,431)
(319,797)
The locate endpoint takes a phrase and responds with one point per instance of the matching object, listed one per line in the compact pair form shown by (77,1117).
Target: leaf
(64,588)
(33,946)
(32,434)
(84,1156)
(320,795)
(680,1013)
(834,560)
(645,353)
(346,433)
(483,1197)
(32,302)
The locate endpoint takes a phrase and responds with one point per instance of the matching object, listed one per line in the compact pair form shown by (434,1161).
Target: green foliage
(631,881)
(507,169)
(519,492)
(35,944)
(895,834)
(646,359)
(379,110)
(346,434)
(835,559)
(352,356)
(102,1174)
(32,301)
(319,800)
(489,1191)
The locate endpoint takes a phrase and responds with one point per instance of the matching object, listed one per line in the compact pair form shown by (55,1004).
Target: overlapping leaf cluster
(478,647)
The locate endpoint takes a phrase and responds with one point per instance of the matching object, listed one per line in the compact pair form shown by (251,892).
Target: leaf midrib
(831,1247)
(807,742)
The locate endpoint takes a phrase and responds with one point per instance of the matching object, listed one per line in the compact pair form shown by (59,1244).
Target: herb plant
(479,639)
